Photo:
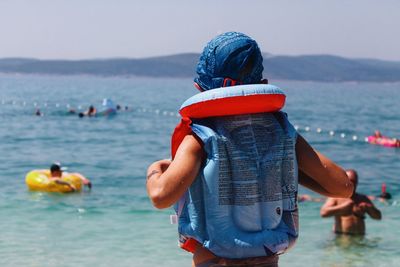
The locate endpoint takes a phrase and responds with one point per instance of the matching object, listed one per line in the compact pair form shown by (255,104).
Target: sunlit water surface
(115,224)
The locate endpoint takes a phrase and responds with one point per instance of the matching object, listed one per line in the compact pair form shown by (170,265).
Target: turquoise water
(115,224)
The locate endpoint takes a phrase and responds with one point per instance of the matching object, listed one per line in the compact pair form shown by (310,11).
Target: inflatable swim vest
(230,209)
(39,180)
(383,141)
(234,100)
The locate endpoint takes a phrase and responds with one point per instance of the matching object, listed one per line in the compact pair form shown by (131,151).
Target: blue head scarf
(232,55)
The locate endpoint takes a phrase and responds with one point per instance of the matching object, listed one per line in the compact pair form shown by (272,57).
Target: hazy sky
(77,29)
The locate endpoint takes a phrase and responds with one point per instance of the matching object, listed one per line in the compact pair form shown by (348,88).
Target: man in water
(392,141)
(56,172)
(350,213)
(91,112)
(384,196)
(38,112)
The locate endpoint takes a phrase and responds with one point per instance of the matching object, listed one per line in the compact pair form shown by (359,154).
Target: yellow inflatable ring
(39,180)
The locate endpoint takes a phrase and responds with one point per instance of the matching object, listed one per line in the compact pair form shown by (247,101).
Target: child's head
(229,59)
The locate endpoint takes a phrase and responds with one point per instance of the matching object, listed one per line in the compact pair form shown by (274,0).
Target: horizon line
(265,55)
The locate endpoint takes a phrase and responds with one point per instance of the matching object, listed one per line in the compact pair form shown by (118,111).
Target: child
(235,176)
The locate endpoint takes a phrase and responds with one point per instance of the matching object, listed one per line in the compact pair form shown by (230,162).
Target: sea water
(114,224)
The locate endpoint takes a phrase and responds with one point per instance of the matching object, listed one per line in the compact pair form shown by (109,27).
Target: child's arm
(168,180)
(323,175)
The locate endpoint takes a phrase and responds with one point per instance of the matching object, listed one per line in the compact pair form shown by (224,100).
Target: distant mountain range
(305,68)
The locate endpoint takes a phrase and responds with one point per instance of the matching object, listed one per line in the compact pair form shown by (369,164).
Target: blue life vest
(244,201)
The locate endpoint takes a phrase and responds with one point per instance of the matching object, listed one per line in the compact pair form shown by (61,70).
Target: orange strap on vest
(181,130)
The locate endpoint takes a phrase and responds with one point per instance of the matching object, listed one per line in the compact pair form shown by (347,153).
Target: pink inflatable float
(384,141)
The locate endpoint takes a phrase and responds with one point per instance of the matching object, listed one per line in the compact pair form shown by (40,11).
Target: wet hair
(55,168)
(385,195)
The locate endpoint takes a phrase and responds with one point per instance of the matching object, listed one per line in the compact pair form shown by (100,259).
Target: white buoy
(319,130)
(355,137)
(165,113)
(157,111)
(79,107)
(342,135)
(57,105)
(35,104)
(331,133)
(366,139)
(172,114)
(45,104)
(296,127)
(307,128)
(68,106)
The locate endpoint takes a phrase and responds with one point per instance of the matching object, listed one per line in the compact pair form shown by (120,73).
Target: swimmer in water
(91,112)
(350,213)
(71,111)
(383,196)
(38,112)
(377,134)
(394,141)
(57,171)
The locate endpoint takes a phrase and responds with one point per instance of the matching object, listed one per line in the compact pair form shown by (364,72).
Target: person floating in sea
(71,111)
(38,112)
(56,173)
(384,196)
(377,134)
(350,213)
(234,177)
(379,139)
(90,112)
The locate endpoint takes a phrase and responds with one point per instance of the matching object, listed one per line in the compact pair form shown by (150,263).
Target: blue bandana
(230,55)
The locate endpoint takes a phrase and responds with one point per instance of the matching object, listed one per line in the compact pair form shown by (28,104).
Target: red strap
(190,245)
(181,130)
(230,82)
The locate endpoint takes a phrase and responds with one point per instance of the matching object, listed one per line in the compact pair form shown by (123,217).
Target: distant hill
(306,68)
